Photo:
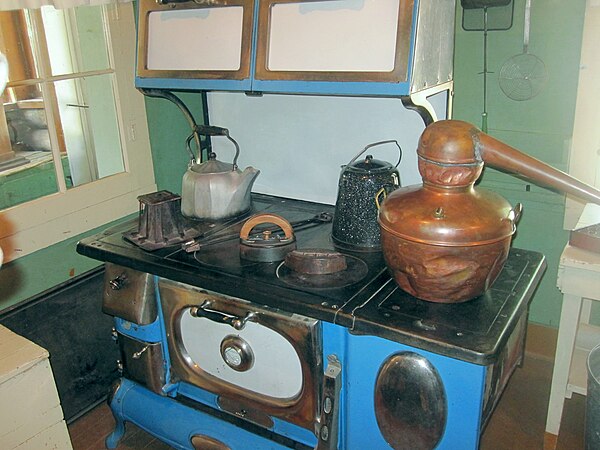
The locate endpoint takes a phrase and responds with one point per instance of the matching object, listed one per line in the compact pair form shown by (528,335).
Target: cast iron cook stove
(218,352)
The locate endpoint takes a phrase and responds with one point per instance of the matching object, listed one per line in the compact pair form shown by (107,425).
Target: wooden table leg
(567,332)
(550,441)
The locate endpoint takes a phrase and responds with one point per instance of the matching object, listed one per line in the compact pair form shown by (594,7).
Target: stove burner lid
(325,271)
(316,261)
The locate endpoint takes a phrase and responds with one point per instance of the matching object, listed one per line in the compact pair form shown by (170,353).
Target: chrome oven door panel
(129,294)
(143,362)
(260,357)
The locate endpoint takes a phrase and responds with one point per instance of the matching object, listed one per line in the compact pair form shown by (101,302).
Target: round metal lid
(465,217)
(369,165)
(212,166)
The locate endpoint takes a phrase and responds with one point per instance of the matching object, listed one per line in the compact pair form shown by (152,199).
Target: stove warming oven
(219,352)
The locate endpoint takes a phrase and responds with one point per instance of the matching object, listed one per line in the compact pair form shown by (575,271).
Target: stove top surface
(369,304)
(224,257)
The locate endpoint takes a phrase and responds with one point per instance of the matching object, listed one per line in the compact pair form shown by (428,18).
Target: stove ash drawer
(142,362)
(129,295)
(264,360)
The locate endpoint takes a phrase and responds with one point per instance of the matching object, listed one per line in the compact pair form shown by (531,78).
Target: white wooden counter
(579,281)
(30,413)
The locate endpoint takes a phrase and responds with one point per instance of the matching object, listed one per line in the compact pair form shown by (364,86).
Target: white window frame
(37,224)
(584,162)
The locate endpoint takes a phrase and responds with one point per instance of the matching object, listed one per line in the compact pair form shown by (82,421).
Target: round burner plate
(356,270)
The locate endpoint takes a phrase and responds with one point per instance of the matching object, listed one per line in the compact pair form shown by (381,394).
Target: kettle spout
(247,178)
(241,192)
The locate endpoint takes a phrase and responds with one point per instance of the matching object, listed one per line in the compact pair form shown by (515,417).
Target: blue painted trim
(169,388)
(413,42)
(280,427)
(254,45)
(360,88)
(193,84)
(197,394)
(147,333)
(174,423)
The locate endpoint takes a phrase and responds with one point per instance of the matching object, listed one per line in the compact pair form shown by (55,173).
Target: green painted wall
(168,132)
(541,126)
(40,271)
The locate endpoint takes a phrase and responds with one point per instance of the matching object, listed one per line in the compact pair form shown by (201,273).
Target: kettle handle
(389,141)
(211,130)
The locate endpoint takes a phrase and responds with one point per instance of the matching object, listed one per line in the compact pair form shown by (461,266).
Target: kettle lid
(212,166)
(370,165)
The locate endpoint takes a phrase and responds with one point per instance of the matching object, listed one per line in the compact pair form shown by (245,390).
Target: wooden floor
(517,423)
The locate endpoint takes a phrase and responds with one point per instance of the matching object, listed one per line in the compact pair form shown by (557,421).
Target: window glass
(94,117)
(26,161)
(89,124)
(60,100)
(17,43)
(81,30)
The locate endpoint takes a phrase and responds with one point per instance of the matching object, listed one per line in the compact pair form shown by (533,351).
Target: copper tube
(505,157)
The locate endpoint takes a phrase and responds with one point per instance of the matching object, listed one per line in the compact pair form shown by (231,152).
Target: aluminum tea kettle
(355,221)
(214,190)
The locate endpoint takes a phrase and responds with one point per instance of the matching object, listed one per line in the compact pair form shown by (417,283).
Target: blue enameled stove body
(218,353)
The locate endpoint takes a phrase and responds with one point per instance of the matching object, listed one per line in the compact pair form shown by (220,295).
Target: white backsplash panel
(299,143)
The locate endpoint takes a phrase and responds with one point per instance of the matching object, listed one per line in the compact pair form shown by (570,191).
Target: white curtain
(6,5)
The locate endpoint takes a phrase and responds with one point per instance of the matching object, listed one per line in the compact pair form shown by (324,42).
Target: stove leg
(112,440)
(114,402)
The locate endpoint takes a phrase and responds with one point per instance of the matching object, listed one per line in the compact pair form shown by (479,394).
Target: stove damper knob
(118,282)
(237,353)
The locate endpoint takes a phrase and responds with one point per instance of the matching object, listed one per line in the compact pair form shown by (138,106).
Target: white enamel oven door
(259,358)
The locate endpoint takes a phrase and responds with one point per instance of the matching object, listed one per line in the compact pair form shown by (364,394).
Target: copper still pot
(446,241)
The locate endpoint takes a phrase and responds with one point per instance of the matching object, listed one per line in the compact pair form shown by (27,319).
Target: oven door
(255,359)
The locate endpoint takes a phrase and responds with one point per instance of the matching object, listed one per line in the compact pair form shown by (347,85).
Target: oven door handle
(220,317)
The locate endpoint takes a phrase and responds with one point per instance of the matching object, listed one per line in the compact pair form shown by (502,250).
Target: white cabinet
(186,45)
(328,47)
(30,413)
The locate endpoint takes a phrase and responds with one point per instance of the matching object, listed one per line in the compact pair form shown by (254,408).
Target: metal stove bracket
(327,427)
(363,304)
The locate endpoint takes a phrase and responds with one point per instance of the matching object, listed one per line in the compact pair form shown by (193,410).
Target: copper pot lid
(451,142)
(437,217)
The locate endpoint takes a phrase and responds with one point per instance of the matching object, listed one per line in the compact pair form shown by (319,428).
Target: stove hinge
(327,426)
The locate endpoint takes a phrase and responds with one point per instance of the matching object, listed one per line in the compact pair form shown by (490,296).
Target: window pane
(76,39)
(27,182)
(26,164)
(15,43)
(89,123)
